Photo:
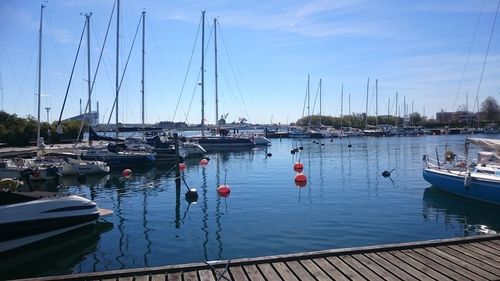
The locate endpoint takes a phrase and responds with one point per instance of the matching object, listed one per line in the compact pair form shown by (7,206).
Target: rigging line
(487,52)
(187,71)
(192,97)
(72,72)
(315,99)
(228,54)
(468,55)
(304,105)
(126,65)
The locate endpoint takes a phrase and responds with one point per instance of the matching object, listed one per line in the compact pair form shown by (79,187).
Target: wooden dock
(471,258)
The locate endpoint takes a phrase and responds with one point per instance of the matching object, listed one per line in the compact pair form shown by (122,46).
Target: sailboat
(222,139)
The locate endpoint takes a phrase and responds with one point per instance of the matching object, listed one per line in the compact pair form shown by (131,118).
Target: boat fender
(467,181)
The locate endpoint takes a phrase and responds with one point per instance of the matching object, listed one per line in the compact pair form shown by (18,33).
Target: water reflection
(470,217)
(53,256)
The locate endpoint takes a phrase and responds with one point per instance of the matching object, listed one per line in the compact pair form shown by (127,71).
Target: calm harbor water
(345,203)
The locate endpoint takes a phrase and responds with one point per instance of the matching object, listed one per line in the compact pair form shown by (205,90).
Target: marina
(345,202)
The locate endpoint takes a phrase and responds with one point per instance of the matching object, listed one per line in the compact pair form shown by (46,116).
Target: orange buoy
(127,173)
(182,167)
(223,190)
(298,167)
(203,161)
(300,180)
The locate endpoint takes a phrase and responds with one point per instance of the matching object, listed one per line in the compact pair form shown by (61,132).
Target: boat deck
(470,258)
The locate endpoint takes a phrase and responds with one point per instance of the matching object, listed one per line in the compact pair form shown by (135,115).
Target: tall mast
(87,16)
(216,86)
(350,117)
(397,111)
(38,140)
(308,103)
(117,61)
(203,73)
(320,101)
(143,52)
(366,112)
(376,102)
(341,105)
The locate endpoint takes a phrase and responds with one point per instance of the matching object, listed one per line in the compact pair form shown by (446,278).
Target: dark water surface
(345,203)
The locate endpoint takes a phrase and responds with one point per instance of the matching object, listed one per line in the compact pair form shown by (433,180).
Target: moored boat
(28,217)
(478,181)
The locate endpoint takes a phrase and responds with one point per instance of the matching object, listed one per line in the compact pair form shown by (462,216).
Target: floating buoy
(127,173)
(182,167)
(223,190)
(301,147)
(300,180)
(386,174)
(207,158)
(191,195)
(298,167)
(349,145)
(269,154)
(203,161)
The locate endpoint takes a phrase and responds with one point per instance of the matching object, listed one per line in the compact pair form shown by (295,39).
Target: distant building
(93,115)
(456,117)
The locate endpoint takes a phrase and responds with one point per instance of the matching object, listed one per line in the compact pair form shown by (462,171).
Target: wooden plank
(380,271)
(491,244)
(158,277)
(345,269)
(404,266)
(473,259)
(299,270)
(401,274)
(125,278)
(496,241)
(144,277)
(268,271)
(483,253)
(315,270)
(331,270)
(206,275)
(253,273)
(237,273)
(491,247)
(437,263)
(468,270)
(360,268)
(190,275)
(420,266)
(174,276)
(284,271)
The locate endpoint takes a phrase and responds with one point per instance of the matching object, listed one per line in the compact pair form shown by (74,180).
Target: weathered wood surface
(471,258)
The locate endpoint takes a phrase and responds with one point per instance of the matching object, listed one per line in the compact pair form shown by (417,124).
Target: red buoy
(203,161)
(127,173)
(182,167)
(298,167)
(300,180)
(223,190)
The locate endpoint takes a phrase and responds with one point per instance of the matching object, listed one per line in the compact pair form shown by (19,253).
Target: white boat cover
(492,144)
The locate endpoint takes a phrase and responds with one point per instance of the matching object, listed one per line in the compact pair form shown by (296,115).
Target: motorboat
(28,169)
(475,180)
(28,217)
(116,154)
(71,164)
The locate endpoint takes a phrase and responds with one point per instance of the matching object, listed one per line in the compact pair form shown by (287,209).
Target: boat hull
(484,190)
(30,221)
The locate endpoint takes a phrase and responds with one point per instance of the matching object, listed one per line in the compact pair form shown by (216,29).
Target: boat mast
(38,140)
(366,111)
(308,104)
(397,105)
(216,86)
(143,52)
(320,102)
(203,74)
(117,61)
(87,16)
(341,105)
(376,102)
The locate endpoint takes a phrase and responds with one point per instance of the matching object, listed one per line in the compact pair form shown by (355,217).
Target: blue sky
(430,52)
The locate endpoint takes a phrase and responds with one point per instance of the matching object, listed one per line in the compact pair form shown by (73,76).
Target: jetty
(468,258)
